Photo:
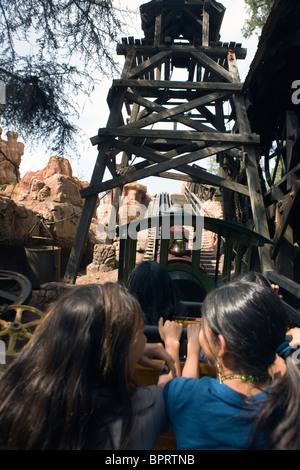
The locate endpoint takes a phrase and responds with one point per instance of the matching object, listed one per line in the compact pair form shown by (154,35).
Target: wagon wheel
(283,147)
(276,152)
(17,325)
(14,288)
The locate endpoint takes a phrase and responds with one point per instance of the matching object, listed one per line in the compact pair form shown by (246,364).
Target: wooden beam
(174,163)
(195,172)
(174,85)
(175,176)
(166,164)
(169,113)
(182,50)
(284,282)
(212,66)
(254,185)
(290,174)
(149,64)
(118,190)
(181,135)
(158,24)
(98,173)
(154,106)
(284,214)
(205,23)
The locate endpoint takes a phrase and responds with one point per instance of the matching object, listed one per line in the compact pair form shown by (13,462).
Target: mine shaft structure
(178,101)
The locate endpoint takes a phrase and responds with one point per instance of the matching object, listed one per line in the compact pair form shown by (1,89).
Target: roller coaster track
(158,204)
(163,202)
(193,204)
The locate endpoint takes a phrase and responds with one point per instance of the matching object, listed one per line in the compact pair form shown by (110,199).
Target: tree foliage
(258,12)
(51,51)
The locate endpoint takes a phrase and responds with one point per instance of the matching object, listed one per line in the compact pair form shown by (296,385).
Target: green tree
(51,52)
(258,12)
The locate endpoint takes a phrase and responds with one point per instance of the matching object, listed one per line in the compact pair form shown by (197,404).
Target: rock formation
(134,202)
(43,208)
(11,152)
(52,193)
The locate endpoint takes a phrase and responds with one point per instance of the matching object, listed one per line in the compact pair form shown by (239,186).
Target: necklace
(246,378)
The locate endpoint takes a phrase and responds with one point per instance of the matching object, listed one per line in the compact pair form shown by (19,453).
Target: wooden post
(97,176)
(205,23)
(254,185)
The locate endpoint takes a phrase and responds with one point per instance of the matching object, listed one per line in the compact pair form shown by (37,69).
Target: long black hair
(152,285)
(253,321)
(72,378)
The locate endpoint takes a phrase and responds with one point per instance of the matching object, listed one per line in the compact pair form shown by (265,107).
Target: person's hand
(193,331)
(276,288)
(295,333)
(191,366)
(157,351)
(170,331)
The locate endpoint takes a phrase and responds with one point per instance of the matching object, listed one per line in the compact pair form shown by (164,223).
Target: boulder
(51,196)
(134,203)
(11,152)
(16,221)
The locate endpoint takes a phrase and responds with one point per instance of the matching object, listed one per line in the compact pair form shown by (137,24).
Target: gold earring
(218,372)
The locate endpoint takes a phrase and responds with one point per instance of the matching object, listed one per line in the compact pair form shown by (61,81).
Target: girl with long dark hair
(72,386)
(152,285)
(242,334)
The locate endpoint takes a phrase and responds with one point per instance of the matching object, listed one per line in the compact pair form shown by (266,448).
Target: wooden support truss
(173,125)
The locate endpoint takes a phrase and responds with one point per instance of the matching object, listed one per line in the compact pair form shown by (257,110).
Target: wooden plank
(212,66)
(193,171)
(255,189)
(85,221)
(184,50)
(285,177)
(158,24)
(286,207)
(89,206)
(174,176)
(203,176)
(169,113)
(194,18)
(154,106)
(284,282)
(205,26)
(118,190)
(129,61)
(149,64)
(166,164)
(236,139)
(173,85)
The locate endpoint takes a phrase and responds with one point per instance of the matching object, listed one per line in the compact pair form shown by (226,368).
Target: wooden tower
(170,109)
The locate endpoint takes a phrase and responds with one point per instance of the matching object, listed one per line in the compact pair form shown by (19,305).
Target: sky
(95,112)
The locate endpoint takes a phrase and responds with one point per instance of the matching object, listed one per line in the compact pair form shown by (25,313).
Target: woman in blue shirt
(243,336)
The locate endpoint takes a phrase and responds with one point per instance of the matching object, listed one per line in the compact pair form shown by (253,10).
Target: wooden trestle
(173,123)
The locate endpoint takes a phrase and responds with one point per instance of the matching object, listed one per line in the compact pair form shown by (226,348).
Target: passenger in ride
(72,385)
(152,285)
(243,331)
(253,276)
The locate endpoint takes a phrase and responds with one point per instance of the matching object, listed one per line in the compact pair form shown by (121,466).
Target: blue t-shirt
(205,414)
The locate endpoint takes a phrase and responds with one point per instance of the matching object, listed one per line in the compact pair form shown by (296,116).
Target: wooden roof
(274,68)
(182,19)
